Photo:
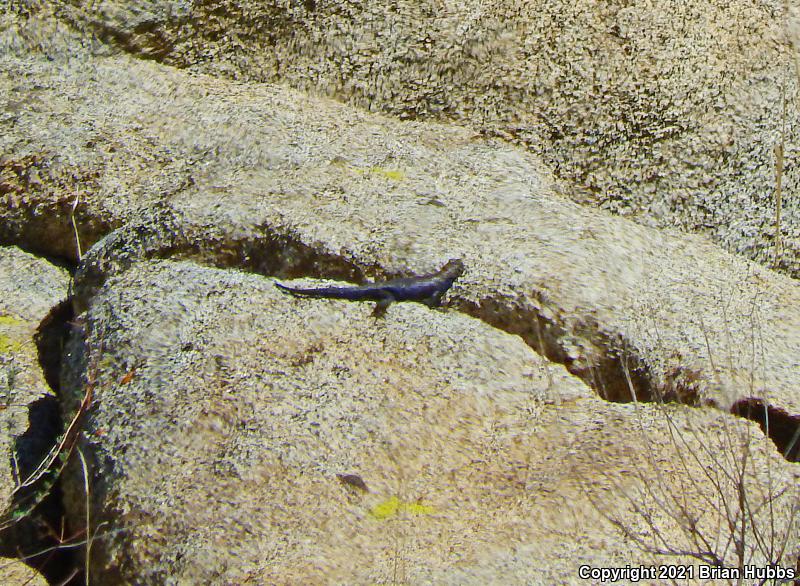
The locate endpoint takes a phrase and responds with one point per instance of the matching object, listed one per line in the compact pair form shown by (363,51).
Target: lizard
(428,289)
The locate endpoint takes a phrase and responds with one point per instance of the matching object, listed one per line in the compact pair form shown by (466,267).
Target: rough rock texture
(67,177)
(666,111)
(15,573)
(30,288)
(225,412)
(32,300)
(293,185)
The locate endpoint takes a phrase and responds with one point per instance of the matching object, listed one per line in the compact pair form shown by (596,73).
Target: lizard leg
(434,300)
(382,305)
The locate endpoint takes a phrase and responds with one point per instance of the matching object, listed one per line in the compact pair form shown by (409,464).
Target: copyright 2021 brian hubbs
(680,572)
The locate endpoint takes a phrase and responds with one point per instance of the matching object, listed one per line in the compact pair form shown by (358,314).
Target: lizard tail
(303,292)
(286,289)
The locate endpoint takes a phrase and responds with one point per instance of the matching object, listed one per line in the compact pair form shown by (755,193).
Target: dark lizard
(427,289)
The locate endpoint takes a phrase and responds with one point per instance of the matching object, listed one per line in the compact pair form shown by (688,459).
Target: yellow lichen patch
(392,174)
(393,505)
(10,320)
(8,345)
(418,509)
(386,509)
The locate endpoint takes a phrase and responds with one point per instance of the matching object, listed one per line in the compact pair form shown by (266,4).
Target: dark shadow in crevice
(48,230)
(781,427)
(616,372)
(50,339)
(604,360)
(148,40)
(611,367)
(617,369)
(39,536)
(52,255)
(163,233)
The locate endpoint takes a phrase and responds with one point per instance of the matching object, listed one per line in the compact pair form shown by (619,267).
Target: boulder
(270,180)
(31,290)
(15,573)
(667,112)
(241,435)
(33,315)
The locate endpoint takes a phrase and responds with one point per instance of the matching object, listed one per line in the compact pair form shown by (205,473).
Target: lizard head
(454,266)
